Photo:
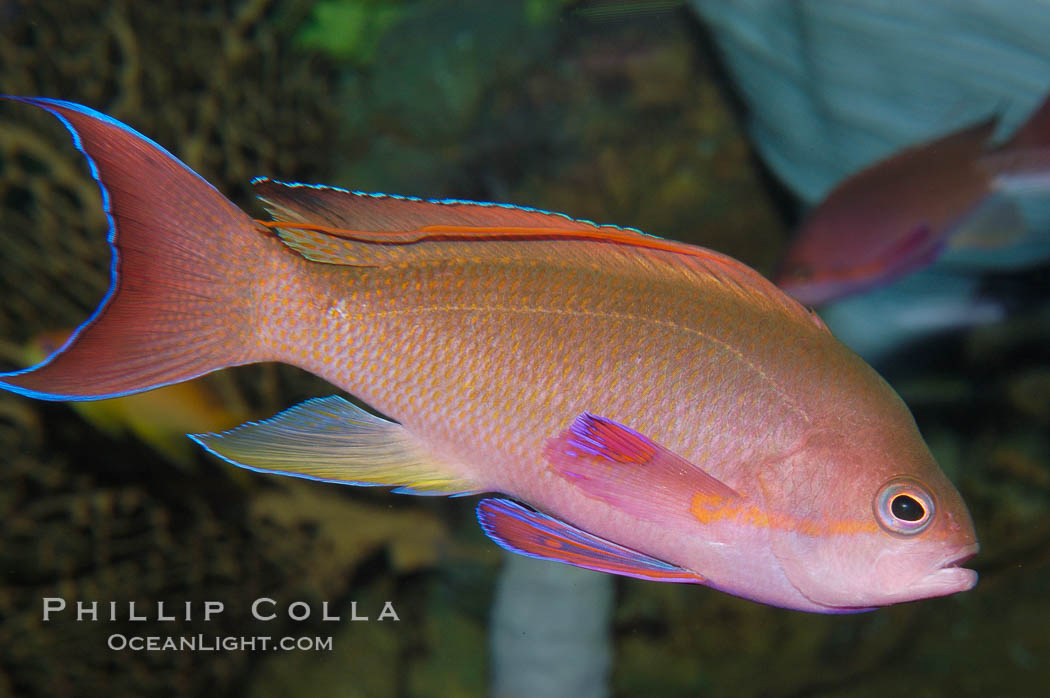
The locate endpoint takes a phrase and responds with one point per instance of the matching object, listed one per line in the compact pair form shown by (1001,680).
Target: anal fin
(331,440)
(531,533)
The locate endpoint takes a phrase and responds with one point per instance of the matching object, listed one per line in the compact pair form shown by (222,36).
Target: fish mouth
(950,578)
(946,578)
(961,555)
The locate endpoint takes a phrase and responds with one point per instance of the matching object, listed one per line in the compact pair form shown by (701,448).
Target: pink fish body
(646,407)
(898,215)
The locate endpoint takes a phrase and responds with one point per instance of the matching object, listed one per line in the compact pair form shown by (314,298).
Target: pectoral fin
(332,440)
(626,469)
(528,532)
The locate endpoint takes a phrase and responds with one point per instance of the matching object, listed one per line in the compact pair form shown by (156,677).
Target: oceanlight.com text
(215,643)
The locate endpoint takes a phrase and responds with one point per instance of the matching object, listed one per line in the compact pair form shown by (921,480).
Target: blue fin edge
(46,103)
(449,202)
(538,519)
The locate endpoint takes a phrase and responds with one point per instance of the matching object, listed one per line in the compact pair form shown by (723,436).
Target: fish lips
(949,577)
(946,578)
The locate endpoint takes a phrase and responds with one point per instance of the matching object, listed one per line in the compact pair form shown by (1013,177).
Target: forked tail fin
(180,299)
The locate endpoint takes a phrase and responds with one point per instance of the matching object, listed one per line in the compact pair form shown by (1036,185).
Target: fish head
(834,251)
(803,276)
(858,523)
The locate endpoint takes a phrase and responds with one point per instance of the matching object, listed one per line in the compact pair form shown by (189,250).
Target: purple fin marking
(620,466)
(917,250)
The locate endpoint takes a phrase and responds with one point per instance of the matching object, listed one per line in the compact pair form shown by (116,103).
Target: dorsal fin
(333,207)
(336,226)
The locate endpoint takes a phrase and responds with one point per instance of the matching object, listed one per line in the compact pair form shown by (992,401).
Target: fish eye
(904,507)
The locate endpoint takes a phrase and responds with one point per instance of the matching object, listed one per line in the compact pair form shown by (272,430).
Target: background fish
(669,413)
(832,89)
(954,197)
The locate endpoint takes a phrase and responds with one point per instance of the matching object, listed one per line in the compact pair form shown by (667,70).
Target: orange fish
(644,407)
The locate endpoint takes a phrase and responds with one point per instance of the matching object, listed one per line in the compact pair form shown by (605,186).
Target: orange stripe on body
(713,508)
(463,233)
